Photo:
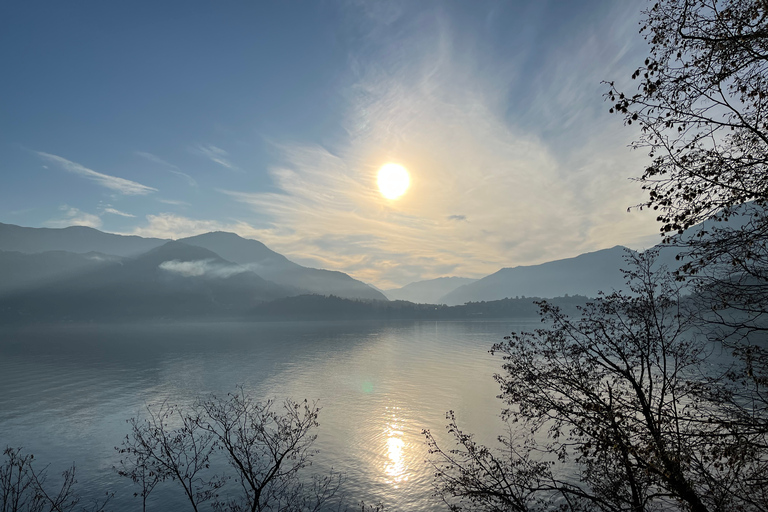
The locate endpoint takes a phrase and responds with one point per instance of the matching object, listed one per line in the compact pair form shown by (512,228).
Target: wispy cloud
(155,159)
(74,217)
(114,211)
(511,163)
(168,166)
(170,225)
(120,185)
(208,268)
(216,155)
(530,189)
(174,202)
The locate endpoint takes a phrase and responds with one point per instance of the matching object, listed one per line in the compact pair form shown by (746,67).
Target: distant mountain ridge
(20,270)
(586,274)
(429,291)
(58,274)
(76,239)
(174,280)
(252,254)
(275,267)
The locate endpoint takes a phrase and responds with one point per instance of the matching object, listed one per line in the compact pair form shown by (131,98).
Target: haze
(271,120)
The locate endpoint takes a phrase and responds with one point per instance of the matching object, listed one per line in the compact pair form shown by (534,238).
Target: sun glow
(393,180)
(396,467)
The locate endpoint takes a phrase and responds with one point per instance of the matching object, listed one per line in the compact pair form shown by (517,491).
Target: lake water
(65,392)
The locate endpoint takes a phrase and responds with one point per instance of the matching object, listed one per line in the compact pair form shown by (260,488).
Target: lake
(66,391)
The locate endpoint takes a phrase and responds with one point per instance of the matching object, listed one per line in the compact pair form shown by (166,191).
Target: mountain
(252,254)
(275,267)
(317,307)
(376,288)
(174,280)
(75,239)
(429,291)
(19,270)
(585,274)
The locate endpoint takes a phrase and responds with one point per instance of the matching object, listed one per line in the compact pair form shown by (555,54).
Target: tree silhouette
(621,409)
(260,447)
(702,102)
(25,489)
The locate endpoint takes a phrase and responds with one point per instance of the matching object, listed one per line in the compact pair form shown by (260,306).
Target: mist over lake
(67,391)
(384,256)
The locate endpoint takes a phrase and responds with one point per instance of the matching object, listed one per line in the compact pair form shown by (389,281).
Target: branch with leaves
(617,410)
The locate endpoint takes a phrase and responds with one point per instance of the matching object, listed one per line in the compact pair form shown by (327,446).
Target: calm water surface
(65,392)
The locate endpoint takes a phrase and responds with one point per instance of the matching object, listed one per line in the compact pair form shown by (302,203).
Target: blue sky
(271,119)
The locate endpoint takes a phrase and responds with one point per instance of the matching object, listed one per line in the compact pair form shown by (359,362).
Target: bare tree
(267,446)
(24,489)
(168,444)
(17,485)
(258,446)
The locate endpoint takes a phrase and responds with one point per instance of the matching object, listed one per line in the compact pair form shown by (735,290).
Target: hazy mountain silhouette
(76,239)
(586,274)
(429,291)
(223,275)
(250,253)
(277,268)
(170,281)
(19,270)
(317,307)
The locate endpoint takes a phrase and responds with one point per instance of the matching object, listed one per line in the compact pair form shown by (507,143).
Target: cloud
(74,217)
(208,268)
(174,202)
(113,211)
(170,225)
(216,155)
(520,144)
(536,188)
(155,159)
(169,166)
(120,185)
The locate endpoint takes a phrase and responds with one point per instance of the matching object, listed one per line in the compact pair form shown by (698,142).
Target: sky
(272,119)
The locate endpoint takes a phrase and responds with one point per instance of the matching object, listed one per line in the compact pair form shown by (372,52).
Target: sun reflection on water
(395,467)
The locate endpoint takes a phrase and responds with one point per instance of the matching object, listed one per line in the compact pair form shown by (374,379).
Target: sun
(393,180)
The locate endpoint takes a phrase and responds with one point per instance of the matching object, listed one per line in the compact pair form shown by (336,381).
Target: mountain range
(76,239)
(586,274)
(39,256)
(82,273)
(275,267)
(427,292)
(170,281)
